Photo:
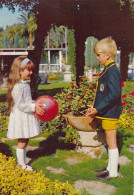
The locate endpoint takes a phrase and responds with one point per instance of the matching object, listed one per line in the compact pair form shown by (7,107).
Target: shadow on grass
(5,149)
(49,147)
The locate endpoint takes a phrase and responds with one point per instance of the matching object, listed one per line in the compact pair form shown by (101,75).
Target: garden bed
(56,157)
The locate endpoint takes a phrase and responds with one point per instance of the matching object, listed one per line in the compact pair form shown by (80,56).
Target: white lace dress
(22,122)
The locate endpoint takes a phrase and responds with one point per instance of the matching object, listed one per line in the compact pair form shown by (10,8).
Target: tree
(71,50)
(11,32)
(6,42)
(90,56)
(88,18)
(16,41)
(55,37)
(24,42)
(1,29)
(28,21)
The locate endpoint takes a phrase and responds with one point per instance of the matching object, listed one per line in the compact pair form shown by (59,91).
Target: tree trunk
(35,55)
(80,48)
(124,63)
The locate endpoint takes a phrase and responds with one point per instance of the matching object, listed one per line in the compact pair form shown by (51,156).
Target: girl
(22,122)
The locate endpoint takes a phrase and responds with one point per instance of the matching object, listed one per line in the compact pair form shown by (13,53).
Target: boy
(107,104)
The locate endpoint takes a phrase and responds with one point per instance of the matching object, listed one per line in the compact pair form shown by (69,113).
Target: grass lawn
(84,169)
(47,89)
(54,156)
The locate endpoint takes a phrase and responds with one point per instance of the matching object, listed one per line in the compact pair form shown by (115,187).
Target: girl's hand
(38,109)
(91,112)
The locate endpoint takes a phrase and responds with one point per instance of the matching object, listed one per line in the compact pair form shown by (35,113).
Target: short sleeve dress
(22,122)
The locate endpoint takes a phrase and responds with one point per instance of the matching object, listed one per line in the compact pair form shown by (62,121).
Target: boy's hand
(91,112)
(38,109)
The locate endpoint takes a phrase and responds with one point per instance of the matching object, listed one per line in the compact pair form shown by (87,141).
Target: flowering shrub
(3,117)
(3,123)
(53,77)
(15,181)
(127,117)
(126,121)
(72,100)
(76,100)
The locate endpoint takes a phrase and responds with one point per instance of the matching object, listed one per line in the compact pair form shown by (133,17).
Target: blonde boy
(107,103)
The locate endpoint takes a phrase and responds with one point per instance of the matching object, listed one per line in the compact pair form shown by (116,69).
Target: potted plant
(73,103)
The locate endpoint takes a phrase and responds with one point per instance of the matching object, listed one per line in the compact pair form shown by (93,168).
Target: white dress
(22,122)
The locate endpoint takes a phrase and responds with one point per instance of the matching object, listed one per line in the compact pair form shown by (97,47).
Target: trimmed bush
(15,181)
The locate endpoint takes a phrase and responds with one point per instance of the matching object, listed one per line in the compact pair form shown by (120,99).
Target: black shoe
(104,170)
(104,176)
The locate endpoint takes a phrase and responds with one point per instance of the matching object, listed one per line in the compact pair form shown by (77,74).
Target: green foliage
(24,42)
(3,117)
(16,41)
(71,50)
(131,6)
(14,181)
(76,100)
(90,56)
(1,29)
(56,37)
(84,170)
(17,31)
(54,86)
(72,100)
(12,31)
(6,42)
(127,117)
(55,76)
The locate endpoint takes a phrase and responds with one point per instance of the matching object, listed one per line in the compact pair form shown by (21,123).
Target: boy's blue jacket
(108,96)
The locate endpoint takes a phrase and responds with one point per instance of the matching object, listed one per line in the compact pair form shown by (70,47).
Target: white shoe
(27,167)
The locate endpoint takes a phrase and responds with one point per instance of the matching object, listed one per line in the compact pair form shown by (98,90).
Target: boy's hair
(106,45)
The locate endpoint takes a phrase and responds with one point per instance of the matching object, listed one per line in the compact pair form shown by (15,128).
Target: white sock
(20,157)
(25,152)
(114,159)
(108,167)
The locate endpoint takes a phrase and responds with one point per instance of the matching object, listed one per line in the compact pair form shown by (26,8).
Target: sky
(8,17)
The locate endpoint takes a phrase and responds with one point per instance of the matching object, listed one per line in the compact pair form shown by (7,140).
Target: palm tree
(28,21)
(56,37)
(11,32)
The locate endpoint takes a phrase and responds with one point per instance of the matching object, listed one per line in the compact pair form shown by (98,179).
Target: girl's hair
(106,45)
(14,76)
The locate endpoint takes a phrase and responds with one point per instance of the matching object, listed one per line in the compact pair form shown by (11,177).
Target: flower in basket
(76,100)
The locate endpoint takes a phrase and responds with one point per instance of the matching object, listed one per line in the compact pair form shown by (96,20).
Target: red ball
(50,106)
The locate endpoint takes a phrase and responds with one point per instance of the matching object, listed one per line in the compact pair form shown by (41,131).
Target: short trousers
(109,124)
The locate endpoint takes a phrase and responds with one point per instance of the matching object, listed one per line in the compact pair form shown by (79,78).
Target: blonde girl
(22,122)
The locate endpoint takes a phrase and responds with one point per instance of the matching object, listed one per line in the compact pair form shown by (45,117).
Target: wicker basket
(82,123)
